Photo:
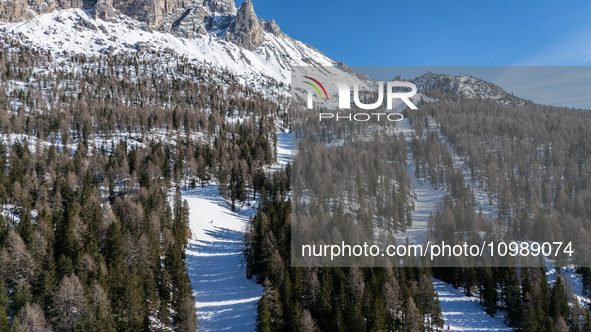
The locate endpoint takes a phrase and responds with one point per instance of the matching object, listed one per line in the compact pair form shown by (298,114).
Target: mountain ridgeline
(189,19)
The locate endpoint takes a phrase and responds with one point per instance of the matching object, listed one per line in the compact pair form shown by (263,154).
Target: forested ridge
(96,152)
(531,160)
(355,186)
(332,299)
(343,299)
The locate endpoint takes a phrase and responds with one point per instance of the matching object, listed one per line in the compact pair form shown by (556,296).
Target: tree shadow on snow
(225,299)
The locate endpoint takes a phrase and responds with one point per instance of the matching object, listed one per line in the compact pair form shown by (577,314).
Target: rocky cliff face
(272,27)
(14,11)
(151,12)
(183,18)
(23,10)
(104,10)
(198,18)
(246,30)
(225,7)
(186,23)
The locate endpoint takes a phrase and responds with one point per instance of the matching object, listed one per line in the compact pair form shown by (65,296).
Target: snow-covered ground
(463,313)
(426,197)
(225,299)
(283,150)
(572,281)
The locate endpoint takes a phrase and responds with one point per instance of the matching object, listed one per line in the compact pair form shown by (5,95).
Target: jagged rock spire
(246,30)
(272,27)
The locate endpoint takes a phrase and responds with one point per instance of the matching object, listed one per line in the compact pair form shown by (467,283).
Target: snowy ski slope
(225,299)
(463,313)
(427,197)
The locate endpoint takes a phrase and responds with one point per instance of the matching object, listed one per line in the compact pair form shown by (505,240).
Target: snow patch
(463,313)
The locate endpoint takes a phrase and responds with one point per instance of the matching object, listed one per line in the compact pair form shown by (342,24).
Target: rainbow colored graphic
(315,87)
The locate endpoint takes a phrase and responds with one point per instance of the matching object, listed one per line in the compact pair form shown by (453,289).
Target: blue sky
(453,33)
(443,33)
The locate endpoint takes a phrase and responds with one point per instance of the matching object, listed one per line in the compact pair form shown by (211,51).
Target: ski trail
(463,313)
(225,299)
(480,195)
(426,197)
(283,149)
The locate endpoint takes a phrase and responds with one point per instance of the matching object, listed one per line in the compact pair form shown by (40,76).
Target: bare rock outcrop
(191,24)
(152,12)
(226,7)
(182,18)
(245,31)
(104,10)
(272,27)
(14,11)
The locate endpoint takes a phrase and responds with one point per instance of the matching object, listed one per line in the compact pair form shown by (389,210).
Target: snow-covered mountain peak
(465,86)
(212,33)
(77,31)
